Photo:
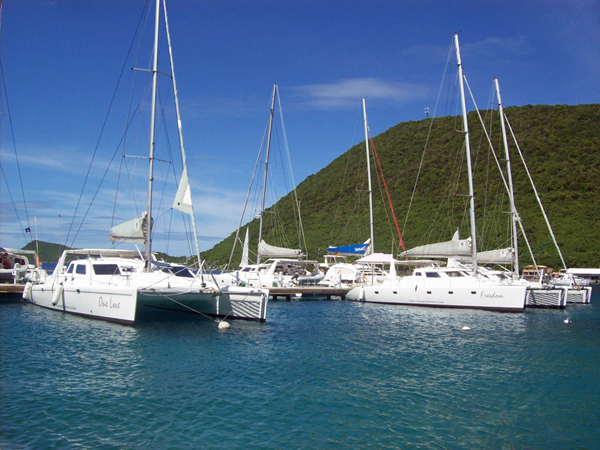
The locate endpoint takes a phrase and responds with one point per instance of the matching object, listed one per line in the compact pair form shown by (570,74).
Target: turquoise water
(317,375)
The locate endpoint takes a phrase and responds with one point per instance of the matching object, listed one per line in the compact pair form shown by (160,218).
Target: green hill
(560,145)
(49,252)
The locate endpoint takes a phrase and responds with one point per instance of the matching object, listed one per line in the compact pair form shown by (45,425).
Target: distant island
(49,252)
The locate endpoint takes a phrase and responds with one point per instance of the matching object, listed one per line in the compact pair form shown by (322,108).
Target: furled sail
(350,250)
(183,198)
(130,231)
(245,250)
(271,251)
(454,248)
(498,256)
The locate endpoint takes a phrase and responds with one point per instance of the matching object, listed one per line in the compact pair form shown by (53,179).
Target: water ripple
(319,374)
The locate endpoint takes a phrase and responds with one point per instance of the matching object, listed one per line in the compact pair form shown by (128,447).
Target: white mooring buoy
(224,325)
(567,320)
(466,328)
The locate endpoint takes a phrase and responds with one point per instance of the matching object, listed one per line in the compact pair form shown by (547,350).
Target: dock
(10,288)
(321,291)
(10,293)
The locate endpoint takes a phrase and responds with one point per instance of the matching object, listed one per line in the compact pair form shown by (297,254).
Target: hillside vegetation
(560,145)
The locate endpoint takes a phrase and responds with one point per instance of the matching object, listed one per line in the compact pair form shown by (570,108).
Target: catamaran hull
(111,303)
(125,305)
(231,304)
(492,298)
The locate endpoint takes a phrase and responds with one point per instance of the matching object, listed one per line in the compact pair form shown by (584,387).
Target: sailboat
(275,266)
(125,285)
(563,288)
(342,274)
(456,285)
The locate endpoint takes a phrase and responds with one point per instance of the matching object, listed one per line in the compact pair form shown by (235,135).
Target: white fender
(57,294)
(27,291)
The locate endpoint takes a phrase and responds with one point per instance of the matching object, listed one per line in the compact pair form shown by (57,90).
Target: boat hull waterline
(492,298)
(125,305)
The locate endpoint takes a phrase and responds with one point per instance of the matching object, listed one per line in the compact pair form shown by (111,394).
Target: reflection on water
(318,374)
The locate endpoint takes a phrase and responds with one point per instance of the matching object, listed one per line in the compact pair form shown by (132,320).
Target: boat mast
(536,196)
(152,142)
(179,126)
(513,209)
(372,245)
(262,206)
(468,150)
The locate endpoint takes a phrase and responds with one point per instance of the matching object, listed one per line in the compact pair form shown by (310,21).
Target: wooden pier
(10,293)
(9,288)
(289,292)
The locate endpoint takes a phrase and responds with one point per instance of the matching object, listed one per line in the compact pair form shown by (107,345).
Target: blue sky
(61,60)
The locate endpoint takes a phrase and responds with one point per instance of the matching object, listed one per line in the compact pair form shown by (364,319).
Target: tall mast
(372,246)
(179,126)
(513,209)
(152,142)
(468,150)
(262,206)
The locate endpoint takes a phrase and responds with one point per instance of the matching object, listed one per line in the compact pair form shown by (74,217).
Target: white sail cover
(245,250)
(130,231)
(498,256)
(377,258)
(271,251)
(183,198)
(454,248)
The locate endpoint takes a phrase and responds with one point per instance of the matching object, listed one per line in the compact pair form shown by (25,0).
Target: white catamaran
(454,286)
(123,285)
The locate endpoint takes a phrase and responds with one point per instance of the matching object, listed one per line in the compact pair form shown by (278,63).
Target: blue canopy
(356,249)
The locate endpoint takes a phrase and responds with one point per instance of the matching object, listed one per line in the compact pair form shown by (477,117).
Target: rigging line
(128,119)
(386,191)
(180,128)
(348,153)
(487,179)
(488,138)
(12,201)
(437,101)
(112,100)
(293,181)
(93,197)
(536,193)
(237,233)
(12,133)
(122,145)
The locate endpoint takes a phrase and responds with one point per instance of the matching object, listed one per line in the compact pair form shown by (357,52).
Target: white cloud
(343,93)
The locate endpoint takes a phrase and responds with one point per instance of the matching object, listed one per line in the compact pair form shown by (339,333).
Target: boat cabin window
(455,274)
(418,274)
(432,275)
(80,269)
(179,271)
(106,269)
(70,268)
